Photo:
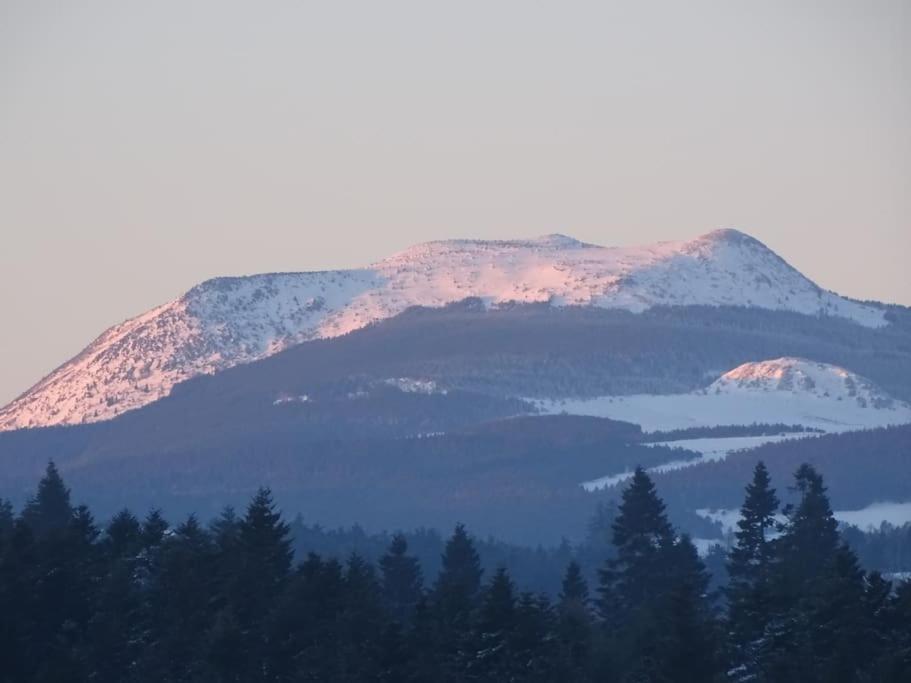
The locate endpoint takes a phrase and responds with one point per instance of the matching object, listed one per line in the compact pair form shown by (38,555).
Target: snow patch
(710,450)
(781,391)
(869,517)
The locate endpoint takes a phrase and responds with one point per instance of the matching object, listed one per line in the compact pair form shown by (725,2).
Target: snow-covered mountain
(801,377)
(792,391)
(227,321)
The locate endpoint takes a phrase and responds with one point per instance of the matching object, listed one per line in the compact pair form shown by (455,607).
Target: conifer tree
(492,659)
(225,530)
(180,604)
(574,588)
(123,534)
(750,571)
(264,558)
(641,535)
(7,520)
(459,581)
(154,527)
(535,653)
(454,599)
(805,554)
(402,579)
(810,536)
(687,641)
(574,622)
(498,606)
(49,510)
(840,622)
(59,576)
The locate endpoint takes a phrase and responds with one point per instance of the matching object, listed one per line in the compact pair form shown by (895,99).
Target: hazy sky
(145,146)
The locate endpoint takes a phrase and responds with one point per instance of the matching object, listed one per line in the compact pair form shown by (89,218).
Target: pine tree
(123,534)
(454,599)
(498,606)
(750,570)
(402,579)
(60,578)
(459,581)
(225,530)
(574,622)
(805,554)
(641,535)
(49,510)
(180,603)
(492,659)
(7,520)
(893,625)
(154,527)
(810,536)
(574,588)
(840,622)
(361,620)
(687,641)
(264,558)
(534,651)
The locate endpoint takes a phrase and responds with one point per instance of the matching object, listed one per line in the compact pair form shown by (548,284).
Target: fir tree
(459,581)
(180,602)
(810,536)
(264,543)
(362,619)
(123,535)
(402,580)
(454,597)
(492,660)
(154,527)
(688,645)
(641,536)
(750,571)
(574,621)
(7,520)
(840,622)
(806,553)
(49,510)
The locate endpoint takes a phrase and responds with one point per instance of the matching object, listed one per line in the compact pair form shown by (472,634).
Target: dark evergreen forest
(141,600)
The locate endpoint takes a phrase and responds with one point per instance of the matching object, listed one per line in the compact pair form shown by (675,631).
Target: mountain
(422,416)
(230,321)
(801,377)
(790,391)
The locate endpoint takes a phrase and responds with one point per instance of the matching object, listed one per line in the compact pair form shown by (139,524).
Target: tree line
(141,601)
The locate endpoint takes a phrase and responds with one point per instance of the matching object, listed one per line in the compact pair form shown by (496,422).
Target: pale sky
(146,146)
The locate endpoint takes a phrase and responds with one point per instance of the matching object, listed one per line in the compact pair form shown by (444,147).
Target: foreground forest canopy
(141,601)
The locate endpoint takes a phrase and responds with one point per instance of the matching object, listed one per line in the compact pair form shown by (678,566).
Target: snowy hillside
(780,391)
(227,321)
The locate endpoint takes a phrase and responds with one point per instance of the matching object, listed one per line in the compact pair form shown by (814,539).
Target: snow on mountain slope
(227,321)
(780,391)
(709,449)
(801,377)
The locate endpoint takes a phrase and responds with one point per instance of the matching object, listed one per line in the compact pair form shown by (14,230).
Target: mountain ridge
(228,321)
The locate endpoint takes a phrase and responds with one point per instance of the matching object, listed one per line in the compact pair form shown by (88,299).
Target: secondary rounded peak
(559,240)
(804,377)
(729,237)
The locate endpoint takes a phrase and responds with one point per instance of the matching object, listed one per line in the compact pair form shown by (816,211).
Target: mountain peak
(729,236)
(560,241)
(801,377)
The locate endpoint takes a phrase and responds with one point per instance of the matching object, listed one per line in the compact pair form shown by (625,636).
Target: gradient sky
(145,146)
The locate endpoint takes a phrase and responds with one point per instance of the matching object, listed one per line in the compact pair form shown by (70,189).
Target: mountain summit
(227,321)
